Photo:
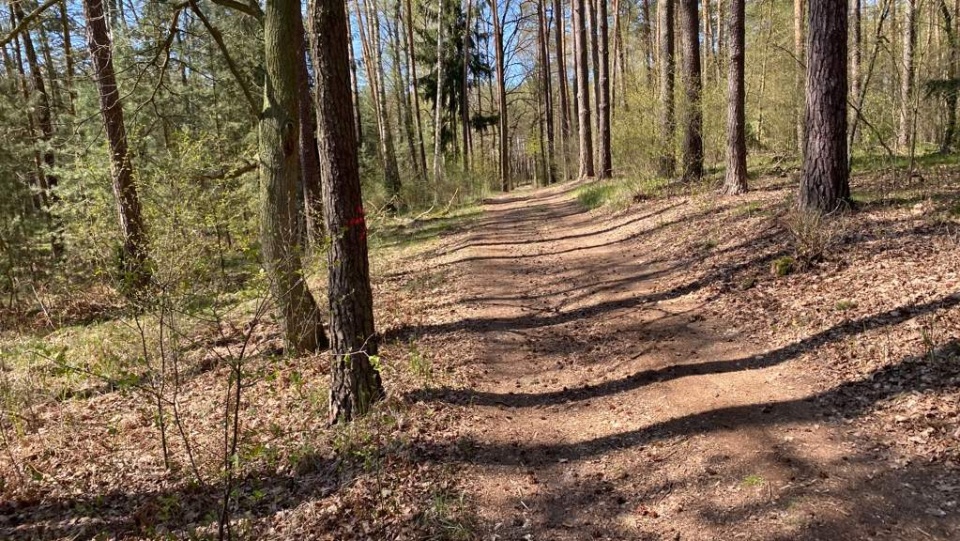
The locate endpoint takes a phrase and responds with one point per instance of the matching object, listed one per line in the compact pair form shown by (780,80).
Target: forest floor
(680,366)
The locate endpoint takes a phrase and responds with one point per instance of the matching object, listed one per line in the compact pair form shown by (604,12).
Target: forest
(480,269)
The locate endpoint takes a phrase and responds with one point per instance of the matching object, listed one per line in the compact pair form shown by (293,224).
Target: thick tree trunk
(692,85)
(603,83)
(354,380)
(667,120)
(280,177)
(583,89)
(798,51)
(415,88)
(908,70)
(134,264)
(561,55)
(735,181)
(824,185)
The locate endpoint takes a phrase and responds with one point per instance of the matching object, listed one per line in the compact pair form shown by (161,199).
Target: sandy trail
(605,403)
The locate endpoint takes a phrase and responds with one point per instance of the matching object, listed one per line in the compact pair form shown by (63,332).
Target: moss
(783,266)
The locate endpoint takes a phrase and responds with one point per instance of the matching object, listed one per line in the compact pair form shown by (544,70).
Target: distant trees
(824,179)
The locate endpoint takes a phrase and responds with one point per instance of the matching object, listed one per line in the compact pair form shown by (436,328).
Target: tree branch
(251,8)
(234,70)
(26,20)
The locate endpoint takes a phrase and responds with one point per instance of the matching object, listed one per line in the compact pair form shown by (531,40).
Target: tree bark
(280,177)
(735,181)
(646,36)
(503,167)
(355,382)
(134,261)
(309,156)
(692,84)
(547,92)
(824,183)
(667,121)
(438,106)
(856,55)
(798,51)
(583,89)
(465,133)
(905,126)
(594,41)
(603,82)
(558,29)
(950,126)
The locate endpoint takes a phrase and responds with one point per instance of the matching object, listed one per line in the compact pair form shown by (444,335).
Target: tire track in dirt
(605,404)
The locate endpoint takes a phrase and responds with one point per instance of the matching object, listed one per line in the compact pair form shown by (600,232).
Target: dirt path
(605,403)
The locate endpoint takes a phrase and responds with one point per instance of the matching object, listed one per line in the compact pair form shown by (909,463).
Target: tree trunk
(503,168)
(646,36)
(309,156)
(798,51)
(856,55)
(134,261)
(558,29)
(594,41)
(280,177)
(692,84)
(438,106)
(415,88)
(465,132)
(543,38)
(950,126)
(667,121)
(824,185)
(583,89)
(603,83)
(736,176)
(905,126)
(354,380)
(67,57)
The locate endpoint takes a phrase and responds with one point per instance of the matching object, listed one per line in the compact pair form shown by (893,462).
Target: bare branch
(26,20)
